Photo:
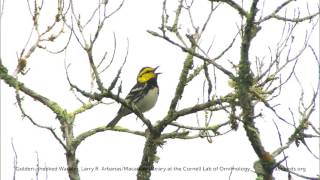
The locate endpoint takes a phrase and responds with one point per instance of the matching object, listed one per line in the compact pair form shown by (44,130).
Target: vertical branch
(15,160)
(66,120)
(149,157)
(153,139)
(245,81)
(38,166)
(264,167)
(1,8)
(72,161)
(179,90)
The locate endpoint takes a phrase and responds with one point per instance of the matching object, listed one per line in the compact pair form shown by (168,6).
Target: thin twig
(15,160)
(19,102)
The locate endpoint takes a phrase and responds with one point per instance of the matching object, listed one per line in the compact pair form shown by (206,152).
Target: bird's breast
(149,100)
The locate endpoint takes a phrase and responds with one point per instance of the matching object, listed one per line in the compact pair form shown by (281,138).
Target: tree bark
(245,82)
(72,163)
(148,158)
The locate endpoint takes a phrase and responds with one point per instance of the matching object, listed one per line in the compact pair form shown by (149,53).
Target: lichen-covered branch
(19,102)
(14,83)
(234,5)
(65,119)
(190,51)
(298,131)
(81,137)
(244,84)
(149,156)
(203,61)
(286,19)
(109,94)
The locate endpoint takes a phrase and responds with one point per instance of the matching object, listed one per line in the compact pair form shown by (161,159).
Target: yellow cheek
(146,77)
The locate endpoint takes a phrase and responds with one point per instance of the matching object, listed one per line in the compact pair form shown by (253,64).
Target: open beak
(156,69)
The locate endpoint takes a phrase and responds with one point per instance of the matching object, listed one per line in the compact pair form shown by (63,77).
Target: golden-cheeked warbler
(143,95)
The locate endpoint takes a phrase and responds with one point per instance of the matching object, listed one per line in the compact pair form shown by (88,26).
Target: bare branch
(85,107)
(109,94)
(15,160)
(213,128)
(190,51)
(183,78)
(116,10)
(276,10)
(296,20)
(302,125)
(13,82)
(234,5)
(185,136)
(115,80)
(113,54)
(19,102)
(81,137)
(175,135)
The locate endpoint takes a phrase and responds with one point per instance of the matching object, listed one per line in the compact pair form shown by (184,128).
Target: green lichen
(195,73)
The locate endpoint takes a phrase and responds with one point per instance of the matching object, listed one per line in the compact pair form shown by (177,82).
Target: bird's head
(146,74)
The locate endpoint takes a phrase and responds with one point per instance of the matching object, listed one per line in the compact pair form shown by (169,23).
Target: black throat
(152,82)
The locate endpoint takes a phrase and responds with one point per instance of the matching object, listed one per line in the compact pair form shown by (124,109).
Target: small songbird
(143,95)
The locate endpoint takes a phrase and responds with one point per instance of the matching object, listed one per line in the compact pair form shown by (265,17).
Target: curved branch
(190,51)
(36,124)
(13,82)
(276,11)
(109,94)
(96,130)
(294,20)
(302,125)
(200,107)
(213,128)
(235,6)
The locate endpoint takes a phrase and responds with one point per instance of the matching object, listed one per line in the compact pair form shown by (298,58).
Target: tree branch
(81,137)
(190,51)
(19,102)
(235,6)
(13,82)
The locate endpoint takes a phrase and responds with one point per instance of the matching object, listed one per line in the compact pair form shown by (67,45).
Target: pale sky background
(111,149)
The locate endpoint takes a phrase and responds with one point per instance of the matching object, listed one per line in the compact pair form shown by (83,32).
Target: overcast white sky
(110,149)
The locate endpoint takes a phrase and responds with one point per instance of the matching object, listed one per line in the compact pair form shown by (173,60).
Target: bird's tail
(114,121)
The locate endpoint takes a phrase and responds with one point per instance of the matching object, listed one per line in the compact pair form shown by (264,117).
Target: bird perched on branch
(143,95)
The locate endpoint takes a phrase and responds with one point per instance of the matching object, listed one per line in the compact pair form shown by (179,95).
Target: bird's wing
(136,92)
